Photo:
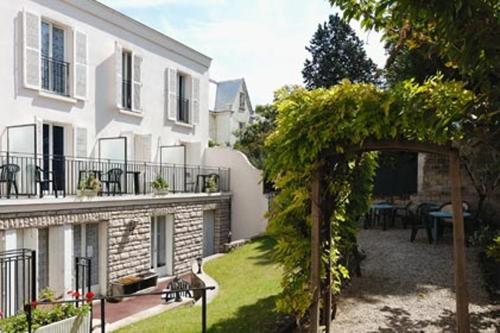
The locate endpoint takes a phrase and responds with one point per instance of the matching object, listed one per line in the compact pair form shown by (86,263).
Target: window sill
(131,113)
(57,97)
(182,124)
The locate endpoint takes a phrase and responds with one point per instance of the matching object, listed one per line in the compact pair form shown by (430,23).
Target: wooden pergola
(462,302)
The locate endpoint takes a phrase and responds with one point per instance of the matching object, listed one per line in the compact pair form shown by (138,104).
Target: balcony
(24,176)
(55,76)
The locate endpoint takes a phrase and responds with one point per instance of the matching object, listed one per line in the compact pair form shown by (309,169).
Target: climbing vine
(316,129)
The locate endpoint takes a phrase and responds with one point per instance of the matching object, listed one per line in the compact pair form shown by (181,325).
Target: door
(53,153)
(43,258)
(208,233)
(162,236)
(86,244)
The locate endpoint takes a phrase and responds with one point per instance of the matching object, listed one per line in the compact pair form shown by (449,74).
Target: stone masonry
(128,230)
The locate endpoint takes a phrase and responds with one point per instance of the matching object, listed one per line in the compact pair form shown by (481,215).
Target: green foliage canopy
(315,129)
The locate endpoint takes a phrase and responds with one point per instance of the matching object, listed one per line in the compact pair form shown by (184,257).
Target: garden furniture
(380,211)
(43,178)
(401,212)
(421,220)
(8,175)
(114,177)
(444,216)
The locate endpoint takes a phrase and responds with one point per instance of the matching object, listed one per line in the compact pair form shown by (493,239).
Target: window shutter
(80,56)
(195,100)
(80,142)
(171,83)
(39,135)
(137,78)
(118,74)
(142,147)
(31,50)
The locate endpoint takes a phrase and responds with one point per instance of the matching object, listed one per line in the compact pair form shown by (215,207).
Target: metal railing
(183,110)
(67,172)
(55,76)
(169,294)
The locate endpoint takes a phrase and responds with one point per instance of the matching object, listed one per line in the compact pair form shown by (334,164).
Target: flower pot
(160,192)
(87,193)
(70,325)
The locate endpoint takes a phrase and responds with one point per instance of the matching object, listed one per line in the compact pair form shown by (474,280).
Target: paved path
(408,287)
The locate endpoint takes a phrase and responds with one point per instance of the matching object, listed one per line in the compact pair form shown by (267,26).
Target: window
(55,71)
(127,80)
(183,102)
(241,125)
(242,101)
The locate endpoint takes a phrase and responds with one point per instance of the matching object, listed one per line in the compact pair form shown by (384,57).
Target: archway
(462,303)
(318,130)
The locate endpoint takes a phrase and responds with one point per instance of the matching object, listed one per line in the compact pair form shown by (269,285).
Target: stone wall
(435,183)
(128,230)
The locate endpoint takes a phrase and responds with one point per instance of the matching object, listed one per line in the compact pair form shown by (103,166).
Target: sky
(262,41)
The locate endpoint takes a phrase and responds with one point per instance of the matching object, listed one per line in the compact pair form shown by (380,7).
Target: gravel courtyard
(408,287)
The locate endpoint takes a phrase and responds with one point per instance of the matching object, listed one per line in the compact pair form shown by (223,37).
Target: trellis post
(315,249)
(462,315)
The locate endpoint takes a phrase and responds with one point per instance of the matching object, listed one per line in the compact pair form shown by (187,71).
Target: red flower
(89,296)
(76,294)
(34,304)
(1,314)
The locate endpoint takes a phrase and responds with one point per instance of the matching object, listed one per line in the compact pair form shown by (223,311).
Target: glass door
(53,154)
(86,244)
(162,244)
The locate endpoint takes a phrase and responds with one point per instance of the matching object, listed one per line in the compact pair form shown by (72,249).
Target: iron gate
(17,280)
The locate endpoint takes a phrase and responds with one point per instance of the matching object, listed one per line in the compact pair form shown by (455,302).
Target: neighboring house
(231,111)
(88,91)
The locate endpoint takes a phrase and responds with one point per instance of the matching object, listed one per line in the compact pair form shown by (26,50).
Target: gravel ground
(408,287)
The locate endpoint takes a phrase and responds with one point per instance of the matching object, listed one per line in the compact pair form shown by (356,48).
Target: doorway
(162,244)
(208,233)
(53,154)
(86,244)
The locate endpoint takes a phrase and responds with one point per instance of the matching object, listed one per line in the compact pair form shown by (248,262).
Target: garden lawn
(249,283)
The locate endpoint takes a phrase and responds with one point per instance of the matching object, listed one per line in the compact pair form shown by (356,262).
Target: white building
(231,111)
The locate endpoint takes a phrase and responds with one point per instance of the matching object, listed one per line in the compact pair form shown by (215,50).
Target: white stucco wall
(249,204)
(99,113)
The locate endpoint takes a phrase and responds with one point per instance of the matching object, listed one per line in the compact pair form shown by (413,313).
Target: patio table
(382,208)
(437,217)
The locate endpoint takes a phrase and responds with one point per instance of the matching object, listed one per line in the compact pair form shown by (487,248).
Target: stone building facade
(125,244)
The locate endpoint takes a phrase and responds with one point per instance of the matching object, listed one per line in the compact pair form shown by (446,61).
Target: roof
(226,94)
(137,28)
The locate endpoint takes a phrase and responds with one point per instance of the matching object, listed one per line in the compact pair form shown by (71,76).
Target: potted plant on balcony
(46,318)
(160,186)
(89,186)
(211,185)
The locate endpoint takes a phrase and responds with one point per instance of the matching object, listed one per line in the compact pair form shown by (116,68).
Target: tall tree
(337,54)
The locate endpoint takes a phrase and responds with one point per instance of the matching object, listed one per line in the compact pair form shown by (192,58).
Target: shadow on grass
(259,317)
(399,320)
(265,247)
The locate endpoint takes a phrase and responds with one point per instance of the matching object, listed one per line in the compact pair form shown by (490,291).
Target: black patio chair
(421,220)
(114,177)
(402,213)
(8,175)
(44,178)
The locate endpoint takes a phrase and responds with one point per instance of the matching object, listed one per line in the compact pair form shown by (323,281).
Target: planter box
(70,325)
(139,282)
(87,193)
(160,192)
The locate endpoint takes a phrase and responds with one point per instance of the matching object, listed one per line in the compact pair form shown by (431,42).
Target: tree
(250,139)
(337,54)
(463,34)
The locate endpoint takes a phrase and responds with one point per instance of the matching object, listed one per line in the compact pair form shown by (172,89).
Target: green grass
(249,284)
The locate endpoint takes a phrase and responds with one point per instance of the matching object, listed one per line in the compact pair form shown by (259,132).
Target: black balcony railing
(67,172)
(55,76)
(183,110)
(127,94)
